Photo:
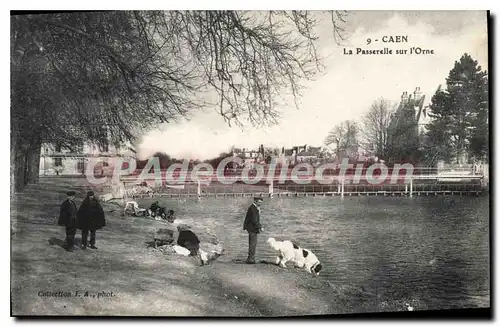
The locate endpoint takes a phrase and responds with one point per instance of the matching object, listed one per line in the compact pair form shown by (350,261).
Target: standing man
(90,218)
(253,227)
(67,218)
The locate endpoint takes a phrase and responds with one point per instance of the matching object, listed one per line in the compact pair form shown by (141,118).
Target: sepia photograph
(250,164)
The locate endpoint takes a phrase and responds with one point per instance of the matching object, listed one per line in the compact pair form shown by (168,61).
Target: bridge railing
(277,175)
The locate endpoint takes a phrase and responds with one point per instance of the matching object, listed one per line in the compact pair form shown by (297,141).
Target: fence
(461,180)
(337,188)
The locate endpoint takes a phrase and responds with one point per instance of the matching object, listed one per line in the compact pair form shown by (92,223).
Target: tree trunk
(16,159)
(19,171)
(25,163)
(33,168)
(26,167)
(13,165)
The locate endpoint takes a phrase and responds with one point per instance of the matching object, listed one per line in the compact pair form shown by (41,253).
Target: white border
(199,4)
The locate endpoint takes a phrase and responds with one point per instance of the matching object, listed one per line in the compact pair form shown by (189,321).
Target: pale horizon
(346,88)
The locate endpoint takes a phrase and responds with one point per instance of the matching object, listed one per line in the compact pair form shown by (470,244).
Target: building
(404,133)
(249,157)
(309,154)
(299,154)
(57,160)
(295,155)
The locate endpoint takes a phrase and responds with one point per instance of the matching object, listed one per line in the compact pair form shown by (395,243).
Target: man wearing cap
(67,218)
(253,227)
(90,218)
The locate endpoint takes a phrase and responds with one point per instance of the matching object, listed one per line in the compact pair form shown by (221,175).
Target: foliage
(105,77)
(459,128)
(344,137)
(214,162)
(375,127)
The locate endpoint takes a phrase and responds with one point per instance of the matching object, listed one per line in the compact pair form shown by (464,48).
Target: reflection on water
(430,251)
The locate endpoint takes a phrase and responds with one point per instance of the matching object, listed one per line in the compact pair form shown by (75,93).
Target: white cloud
(345,91)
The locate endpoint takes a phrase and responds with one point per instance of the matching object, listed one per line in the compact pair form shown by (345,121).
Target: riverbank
(126,278)
(424,253)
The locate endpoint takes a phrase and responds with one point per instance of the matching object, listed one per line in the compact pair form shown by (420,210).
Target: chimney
(417,94)
(404,97)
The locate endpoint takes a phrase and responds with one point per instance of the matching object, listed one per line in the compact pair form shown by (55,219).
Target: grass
(146,282)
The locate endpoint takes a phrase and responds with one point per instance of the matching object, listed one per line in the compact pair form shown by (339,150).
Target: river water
(432,252)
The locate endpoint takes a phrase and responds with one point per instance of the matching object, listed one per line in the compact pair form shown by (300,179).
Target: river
(432,252)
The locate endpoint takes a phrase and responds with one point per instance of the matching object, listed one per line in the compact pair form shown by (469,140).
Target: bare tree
(92,76)
(345,138)
(375,124)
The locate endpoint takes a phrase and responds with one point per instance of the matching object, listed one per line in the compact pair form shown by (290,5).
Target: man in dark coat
(67,218)
(253,227)
(188,240)
(90,217)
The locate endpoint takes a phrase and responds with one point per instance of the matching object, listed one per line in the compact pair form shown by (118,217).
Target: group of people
(88,218)
(155,211)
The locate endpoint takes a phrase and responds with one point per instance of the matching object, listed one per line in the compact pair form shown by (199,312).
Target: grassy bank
(146,282)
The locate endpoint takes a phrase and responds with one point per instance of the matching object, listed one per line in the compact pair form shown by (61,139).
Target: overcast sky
(348,85)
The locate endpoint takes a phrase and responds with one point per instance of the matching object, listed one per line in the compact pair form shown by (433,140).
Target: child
(171,217)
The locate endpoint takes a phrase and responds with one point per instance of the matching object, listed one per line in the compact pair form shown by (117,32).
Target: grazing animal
(302,258)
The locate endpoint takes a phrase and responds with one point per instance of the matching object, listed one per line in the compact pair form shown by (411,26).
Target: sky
(348,85)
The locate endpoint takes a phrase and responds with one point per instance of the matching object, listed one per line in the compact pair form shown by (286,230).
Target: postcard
(250,163)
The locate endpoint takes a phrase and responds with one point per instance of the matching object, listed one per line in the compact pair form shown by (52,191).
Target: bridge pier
(342,192)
